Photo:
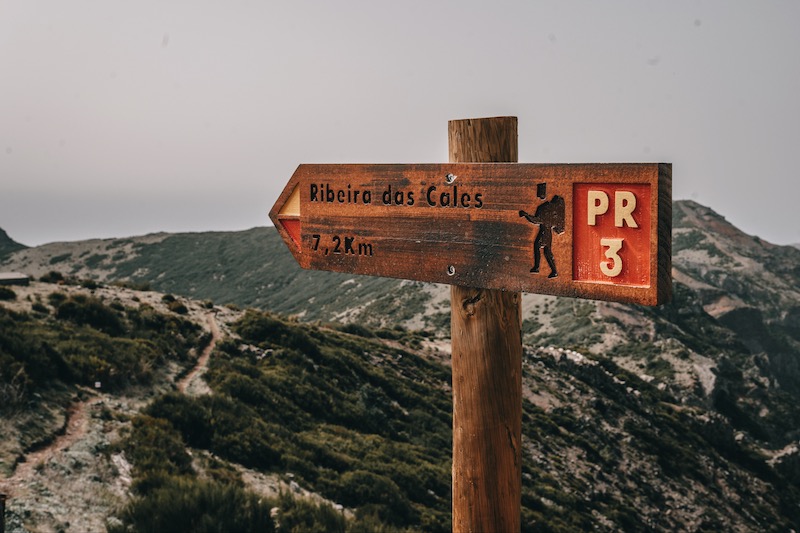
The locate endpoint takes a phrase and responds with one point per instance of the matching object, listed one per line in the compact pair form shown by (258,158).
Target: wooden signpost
(585,230)
(491,228)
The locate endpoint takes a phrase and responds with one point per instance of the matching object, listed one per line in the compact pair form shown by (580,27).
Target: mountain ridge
(254,268)
(8,245)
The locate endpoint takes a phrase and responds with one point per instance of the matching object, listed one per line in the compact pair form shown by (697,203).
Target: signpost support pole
(486,336)
(2,513)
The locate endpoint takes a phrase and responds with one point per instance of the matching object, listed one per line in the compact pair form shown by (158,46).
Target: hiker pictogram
(549,216)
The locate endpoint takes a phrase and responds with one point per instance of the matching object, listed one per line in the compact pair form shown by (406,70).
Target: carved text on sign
(610,233)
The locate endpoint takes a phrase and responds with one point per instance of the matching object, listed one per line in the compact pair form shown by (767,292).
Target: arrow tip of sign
(292,227)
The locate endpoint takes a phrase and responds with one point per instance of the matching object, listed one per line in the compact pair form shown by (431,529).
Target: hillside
(630,411)
(352,426)
(253,268)
(8,245)
(84,370)
(743,289)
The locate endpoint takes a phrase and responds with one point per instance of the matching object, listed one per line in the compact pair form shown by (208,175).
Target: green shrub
(56,298)
(91,311)
(7,293)
(356,329)
(190,505)
(303,516)
(374,493)
(389,334)
(52,277)
(156,449)
(25,359)
(178,308)
(148,322)
(250,447)
(94,261)
(188,415)
(261,328)
(227,428)
(89,284)
(371,523)
(60,258)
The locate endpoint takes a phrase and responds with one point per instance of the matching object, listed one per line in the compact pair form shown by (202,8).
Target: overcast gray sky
(124,118)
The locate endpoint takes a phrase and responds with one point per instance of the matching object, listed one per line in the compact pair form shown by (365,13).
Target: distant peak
(8,245)
(691,205)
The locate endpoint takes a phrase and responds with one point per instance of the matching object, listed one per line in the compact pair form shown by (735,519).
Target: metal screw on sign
(450,178)
(451,270)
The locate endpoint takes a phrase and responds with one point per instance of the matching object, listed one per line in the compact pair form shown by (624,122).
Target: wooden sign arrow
(600,231)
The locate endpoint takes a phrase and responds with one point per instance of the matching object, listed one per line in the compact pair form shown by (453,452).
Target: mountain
(736,296)
(251,268)
(750,286)
(679,417)
(8,245)
(744,289)
(299,427)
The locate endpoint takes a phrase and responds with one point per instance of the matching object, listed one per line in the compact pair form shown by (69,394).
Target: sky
(126,118)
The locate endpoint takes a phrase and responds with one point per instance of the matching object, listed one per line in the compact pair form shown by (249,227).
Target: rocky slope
(737,297)
(682,417)
(328,416)
(61,462)
(725,267)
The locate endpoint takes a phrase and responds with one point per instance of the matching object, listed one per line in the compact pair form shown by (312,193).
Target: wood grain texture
(486,333)
(483,140)
(664,251)
(2,513)
(406,232)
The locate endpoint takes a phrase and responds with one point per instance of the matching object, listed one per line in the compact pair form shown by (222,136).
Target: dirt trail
(75,429)
(202,361)
(78,421)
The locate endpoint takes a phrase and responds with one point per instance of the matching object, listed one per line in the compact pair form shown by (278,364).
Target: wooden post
(486,336)
(2,513)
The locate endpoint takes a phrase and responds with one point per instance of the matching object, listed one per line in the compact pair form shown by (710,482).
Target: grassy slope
(366,422)
(368,425)
(70,341)
(251,269)
(734,317)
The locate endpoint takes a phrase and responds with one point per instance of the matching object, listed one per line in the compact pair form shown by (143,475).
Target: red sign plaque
(611,240)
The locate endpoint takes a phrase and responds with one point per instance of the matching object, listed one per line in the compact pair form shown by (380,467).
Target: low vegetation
(81,340)
(171,495)
(7,293)
(364,424)
(361,424)
(368,426)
